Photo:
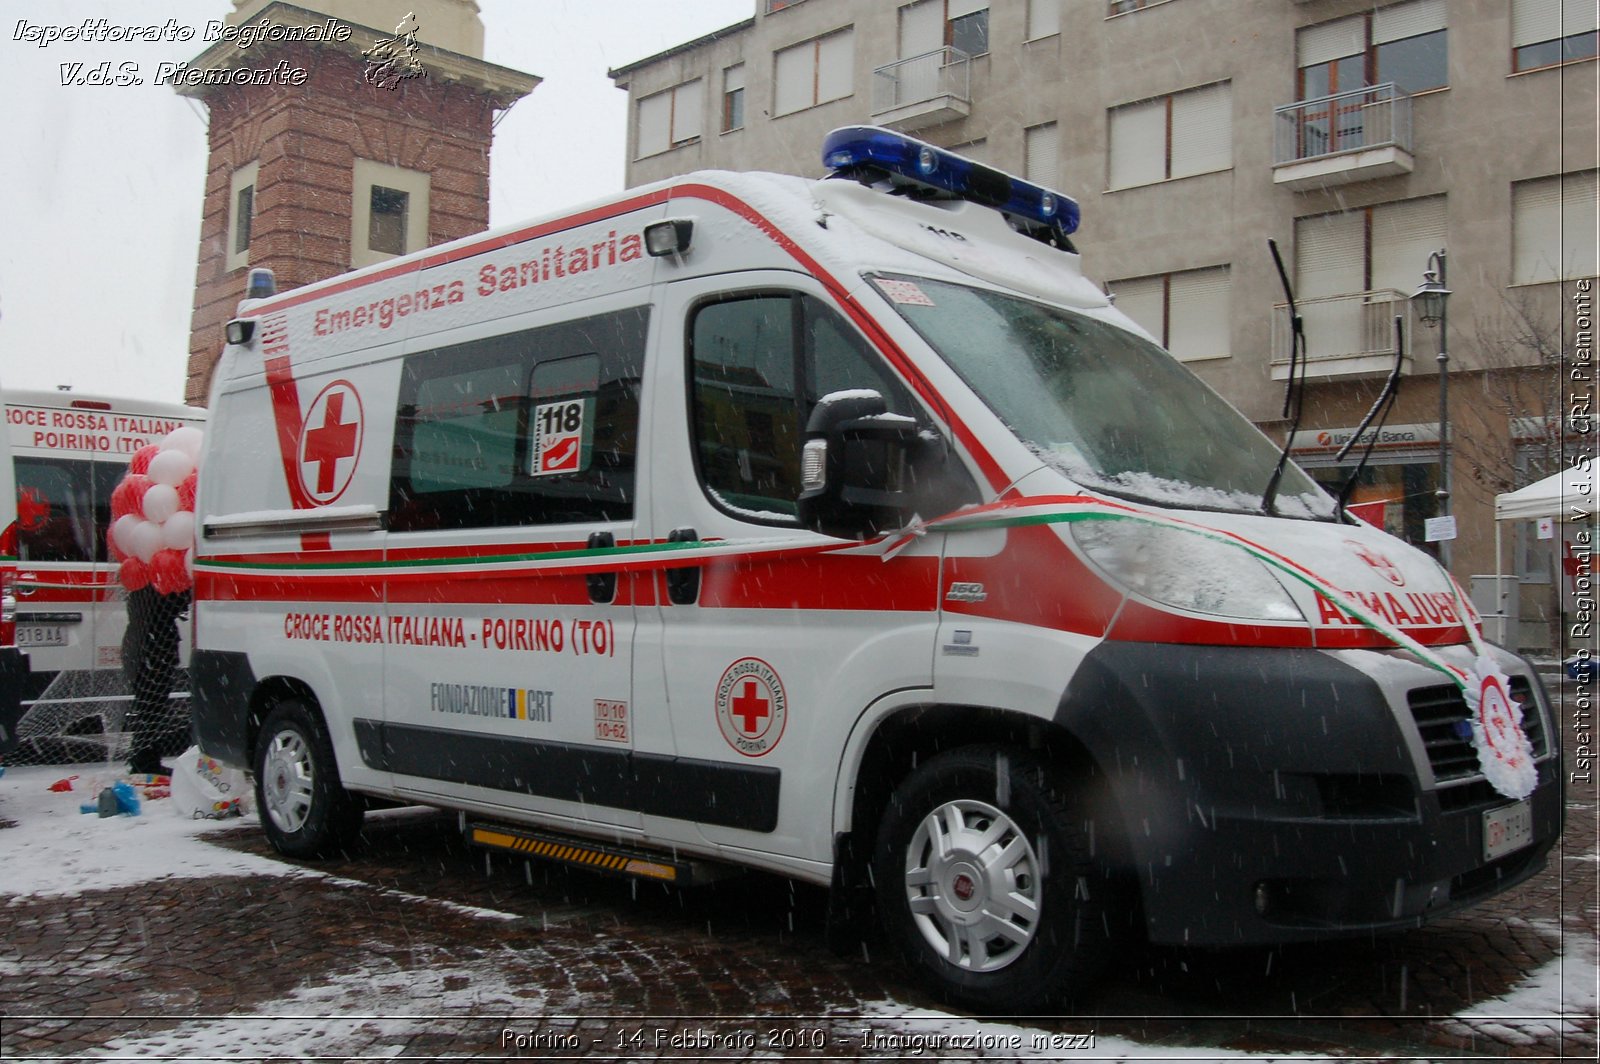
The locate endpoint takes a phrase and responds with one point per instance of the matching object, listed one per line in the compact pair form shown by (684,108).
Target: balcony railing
(924,90)
(1346,336)
(1348,121)
(1349,136)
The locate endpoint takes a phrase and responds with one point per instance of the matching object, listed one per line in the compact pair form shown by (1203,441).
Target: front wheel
(986,881)
(305,811)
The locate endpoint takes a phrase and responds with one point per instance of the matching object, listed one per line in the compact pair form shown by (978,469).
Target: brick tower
(336,141)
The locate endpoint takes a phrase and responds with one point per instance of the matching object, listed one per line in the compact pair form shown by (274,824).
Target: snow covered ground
(52,849)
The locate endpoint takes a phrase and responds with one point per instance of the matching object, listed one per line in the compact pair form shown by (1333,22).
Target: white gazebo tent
(1564,496)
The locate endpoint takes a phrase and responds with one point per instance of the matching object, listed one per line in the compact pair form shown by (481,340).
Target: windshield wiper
(1380,410)
(1294,392)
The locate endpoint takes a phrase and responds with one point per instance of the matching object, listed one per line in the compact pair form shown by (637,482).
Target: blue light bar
(853,149)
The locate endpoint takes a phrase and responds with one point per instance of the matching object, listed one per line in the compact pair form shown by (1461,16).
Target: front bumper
(1272,795)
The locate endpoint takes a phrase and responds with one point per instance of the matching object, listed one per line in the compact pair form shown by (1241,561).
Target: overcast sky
(101,186)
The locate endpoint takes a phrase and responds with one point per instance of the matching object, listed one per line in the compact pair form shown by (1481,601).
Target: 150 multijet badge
(752,707)
(330,442)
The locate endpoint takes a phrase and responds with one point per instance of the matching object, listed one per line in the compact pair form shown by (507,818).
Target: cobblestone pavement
(571,965)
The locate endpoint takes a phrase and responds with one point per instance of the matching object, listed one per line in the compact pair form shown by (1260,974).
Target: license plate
(1507,829)
(41,635)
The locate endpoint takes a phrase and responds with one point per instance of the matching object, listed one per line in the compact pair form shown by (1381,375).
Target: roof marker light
(874,152)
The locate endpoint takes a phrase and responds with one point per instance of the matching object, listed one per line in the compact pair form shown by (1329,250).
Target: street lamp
(1430,299)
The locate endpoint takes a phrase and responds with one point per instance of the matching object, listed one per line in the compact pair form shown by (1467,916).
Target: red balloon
(128,497)
(140,463)
(167,571)
(135,574)
(186,490)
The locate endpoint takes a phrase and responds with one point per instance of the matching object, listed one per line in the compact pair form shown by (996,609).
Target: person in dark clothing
(150,663)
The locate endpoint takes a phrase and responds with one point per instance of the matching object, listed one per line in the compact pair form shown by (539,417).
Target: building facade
(319,161)
(1362,137)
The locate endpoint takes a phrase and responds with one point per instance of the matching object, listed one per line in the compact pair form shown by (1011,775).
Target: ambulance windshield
(1109,410)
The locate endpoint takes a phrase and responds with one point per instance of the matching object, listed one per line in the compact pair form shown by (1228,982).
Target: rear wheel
(305,811)
(986,882)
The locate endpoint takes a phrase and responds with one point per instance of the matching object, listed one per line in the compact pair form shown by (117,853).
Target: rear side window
(529,428)
(758,364)
(63,508)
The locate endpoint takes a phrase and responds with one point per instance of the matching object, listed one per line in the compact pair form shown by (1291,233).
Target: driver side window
(759,363)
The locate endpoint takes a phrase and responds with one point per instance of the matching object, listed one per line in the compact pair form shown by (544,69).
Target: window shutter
(835,59)
(687,110)
(791,78)
(1553,228)
(1044,18)
(655,124)
(1043,162)
(1533,21)
(1138,153)
(1200,313)
(1329,255)
(1579,16)
(1144,300)
(733,78)
(958,8)
(1403,236)
(1202,130)
(921,28)
(1331,40)
(1400,21)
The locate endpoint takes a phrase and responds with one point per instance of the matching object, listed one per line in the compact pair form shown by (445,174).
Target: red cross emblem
(1380,563)
(330,442)
(752,707)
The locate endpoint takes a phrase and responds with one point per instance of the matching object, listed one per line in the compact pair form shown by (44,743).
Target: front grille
(1441,717)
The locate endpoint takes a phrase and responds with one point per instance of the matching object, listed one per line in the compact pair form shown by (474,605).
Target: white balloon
(177,532)
(186,439)
(160,502)
(122,532)
(170,467)
(146,540)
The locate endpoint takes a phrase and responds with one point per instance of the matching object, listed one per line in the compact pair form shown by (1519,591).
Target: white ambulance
(839,529)
(64,452)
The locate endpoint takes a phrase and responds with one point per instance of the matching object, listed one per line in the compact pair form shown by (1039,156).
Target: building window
(1403,43)
(1188,313)
(241,215)
(933,24)
(1550,32)
(1553,223)
(1044,18)
(670,119)
(1122,7)
(391,212)
(1042,155)
(967,26)
(1172,136)
(813,72)
(386,232)
(733,98)
(1356,269)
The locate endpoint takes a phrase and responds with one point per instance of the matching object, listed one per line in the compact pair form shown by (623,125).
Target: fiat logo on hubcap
(962,887)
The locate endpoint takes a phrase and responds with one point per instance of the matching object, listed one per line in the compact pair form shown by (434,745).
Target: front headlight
(1187,570)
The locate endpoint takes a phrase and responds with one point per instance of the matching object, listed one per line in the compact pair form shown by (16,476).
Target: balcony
(925,90)
(1348,336)
(1350,136)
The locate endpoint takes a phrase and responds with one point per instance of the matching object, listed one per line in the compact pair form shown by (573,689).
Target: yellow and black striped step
(583,853)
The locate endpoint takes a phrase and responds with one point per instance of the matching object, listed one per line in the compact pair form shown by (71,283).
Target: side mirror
(856,465)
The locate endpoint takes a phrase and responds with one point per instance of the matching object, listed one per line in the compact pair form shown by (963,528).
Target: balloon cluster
(152,514)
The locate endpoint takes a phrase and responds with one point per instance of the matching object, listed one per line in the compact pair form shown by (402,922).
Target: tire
(986,882)
(304,809)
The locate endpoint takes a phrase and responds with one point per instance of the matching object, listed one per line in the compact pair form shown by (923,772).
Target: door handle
(683,585)
(602,586)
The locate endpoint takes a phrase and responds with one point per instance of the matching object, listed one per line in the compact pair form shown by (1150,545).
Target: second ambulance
(839,529)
